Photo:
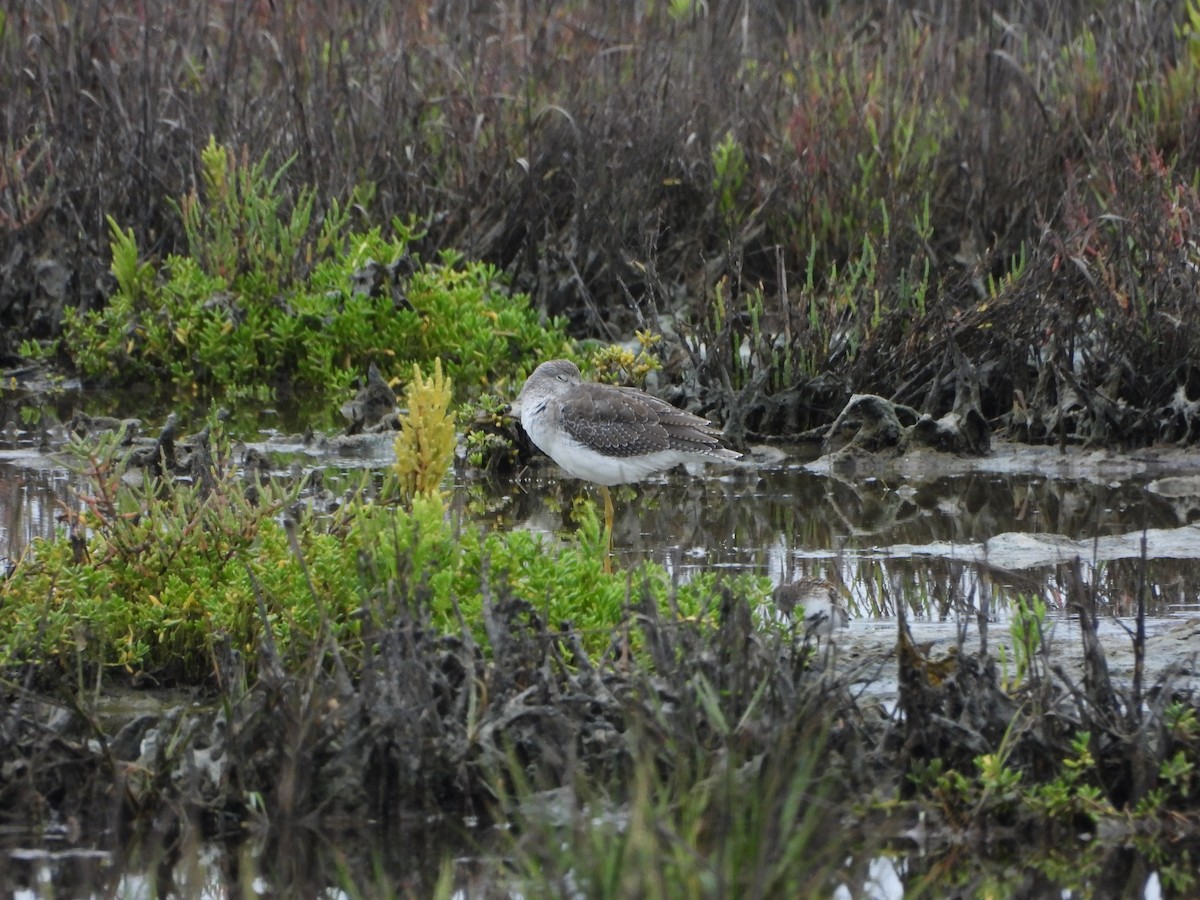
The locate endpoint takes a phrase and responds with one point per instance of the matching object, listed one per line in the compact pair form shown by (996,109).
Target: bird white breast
(587,464)
(582,462)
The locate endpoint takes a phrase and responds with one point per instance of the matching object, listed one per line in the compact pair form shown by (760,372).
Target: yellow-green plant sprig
(425,444)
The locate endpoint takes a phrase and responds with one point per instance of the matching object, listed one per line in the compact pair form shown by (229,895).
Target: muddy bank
(923,464)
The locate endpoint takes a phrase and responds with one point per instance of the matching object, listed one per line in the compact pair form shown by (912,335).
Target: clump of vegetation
(267,296)
(684,710)
(722,800)
(425,444)
(1045,751)
(615,364)
(157,579)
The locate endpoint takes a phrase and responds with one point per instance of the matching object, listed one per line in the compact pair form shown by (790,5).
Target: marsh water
(939,534)
(950,541)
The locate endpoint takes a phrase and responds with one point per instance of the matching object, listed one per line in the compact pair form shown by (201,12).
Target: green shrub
(265,297)
(158,578)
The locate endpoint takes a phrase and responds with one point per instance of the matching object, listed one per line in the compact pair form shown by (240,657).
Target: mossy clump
(425,444)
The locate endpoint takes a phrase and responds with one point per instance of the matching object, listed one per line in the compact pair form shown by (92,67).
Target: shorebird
(823,603)
(610,435)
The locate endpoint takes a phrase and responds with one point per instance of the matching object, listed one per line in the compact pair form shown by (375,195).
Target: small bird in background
(610,435)
(823,603)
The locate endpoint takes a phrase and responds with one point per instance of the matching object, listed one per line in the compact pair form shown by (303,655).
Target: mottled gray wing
(613,421)
(625,422)
(687,432)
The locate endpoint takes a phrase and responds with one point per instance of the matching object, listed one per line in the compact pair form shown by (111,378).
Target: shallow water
(943,536)
(210,870)
(927,538)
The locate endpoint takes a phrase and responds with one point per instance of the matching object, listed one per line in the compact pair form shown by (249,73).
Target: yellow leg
(608,527)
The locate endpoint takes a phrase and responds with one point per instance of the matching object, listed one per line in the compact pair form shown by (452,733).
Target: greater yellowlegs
(610,435)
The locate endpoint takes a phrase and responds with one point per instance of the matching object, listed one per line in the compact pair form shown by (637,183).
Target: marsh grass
(726,790)
(878,189)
